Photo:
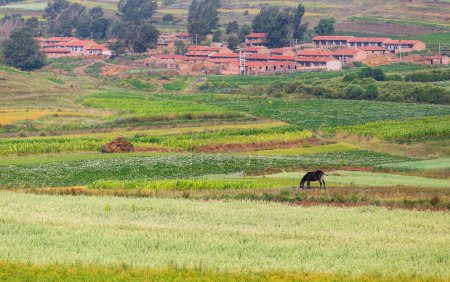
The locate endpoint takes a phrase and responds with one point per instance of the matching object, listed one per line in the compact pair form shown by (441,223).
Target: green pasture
(231,236)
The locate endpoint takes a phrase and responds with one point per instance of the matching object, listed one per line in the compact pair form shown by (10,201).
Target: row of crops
(83,172)
(413,129)
(183,141)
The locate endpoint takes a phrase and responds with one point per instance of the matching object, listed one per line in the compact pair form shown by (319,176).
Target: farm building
(395,46)
(326,63)
(374,50)
(366,42)
(281,58)
(56,52)
(256,39)
(330,41)
(437,60)
(224,56)
(257,50)
(99,50)
(282,52)
(315,53)
(347,56)
(261,68)
(257,57)
(182,36)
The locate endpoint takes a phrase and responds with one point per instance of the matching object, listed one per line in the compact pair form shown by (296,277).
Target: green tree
(203,17)
(325,27)
(299,28)
(217,36)
(180,47)
(137,11)
(375,73)
(244,31)
(62,17)
(117,48)
(138,37)
(232,27)
(168,18)
(22,51)
(275,23)
(233,42)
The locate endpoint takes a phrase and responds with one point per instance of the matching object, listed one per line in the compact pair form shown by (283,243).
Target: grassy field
(223,236)
(436,164)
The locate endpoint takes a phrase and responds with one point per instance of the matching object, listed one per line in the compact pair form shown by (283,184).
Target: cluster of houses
(325,53)
(55,47)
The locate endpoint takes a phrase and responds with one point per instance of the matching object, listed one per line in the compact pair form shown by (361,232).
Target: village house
(256,57)
(319,63)
(256,50)
(256,39)
(437,60)
(71,47)
(224,56)
(199,55)
(366,42)
(282,58)
(166,38)
(261,68)
(374,50)
(315,53)
(331,41)
(283,52)
(182,36)
(347,56)
(56,52)
(395,46)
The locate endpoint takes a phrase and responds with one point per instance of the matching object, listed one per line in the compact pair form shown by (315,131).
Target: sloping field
(222,236)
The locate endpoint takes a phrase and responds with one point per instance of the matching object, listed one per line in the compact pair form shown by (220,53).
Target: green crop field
(436,164)
(232,236)
(430,127)
(316,114)
(72,173)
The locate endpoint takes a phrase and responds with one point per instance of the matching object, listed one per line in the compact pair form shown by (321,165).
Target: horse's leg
(320,182)
(308,186)
(324,184)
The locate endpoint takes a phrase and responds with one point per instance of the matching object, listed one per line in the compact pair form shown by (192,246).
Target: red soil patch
(155,149)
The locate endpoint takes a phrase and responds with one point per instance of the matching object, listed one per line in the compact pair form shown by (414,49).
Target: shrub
(428,76)
(375,73)
(354,91)
(431,94)
(371,92)
(394,77)
(350,77)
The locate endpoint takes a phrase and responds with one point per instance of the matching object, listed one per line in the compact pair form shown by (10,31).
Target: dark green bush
(429,76)
(375,73)
(354,91)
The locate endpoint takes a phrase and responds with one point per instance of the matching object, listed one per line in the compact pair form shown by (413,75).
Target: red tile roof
(340,38)
(315,53)
(283,58)
(182,34)
(203,48)
(368,39)
(61,39)
(172,56)
(223,60)
(263,64)
(256,35)
(372,48)
(56,50)
(257,56)
(315,59)
(346,52)
(224,55)
(398,42)
(97,47)
(254,48)
(198,53)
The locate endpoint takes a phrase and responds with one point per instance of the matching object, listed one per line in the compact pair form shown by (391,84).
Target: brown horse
(313,176)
